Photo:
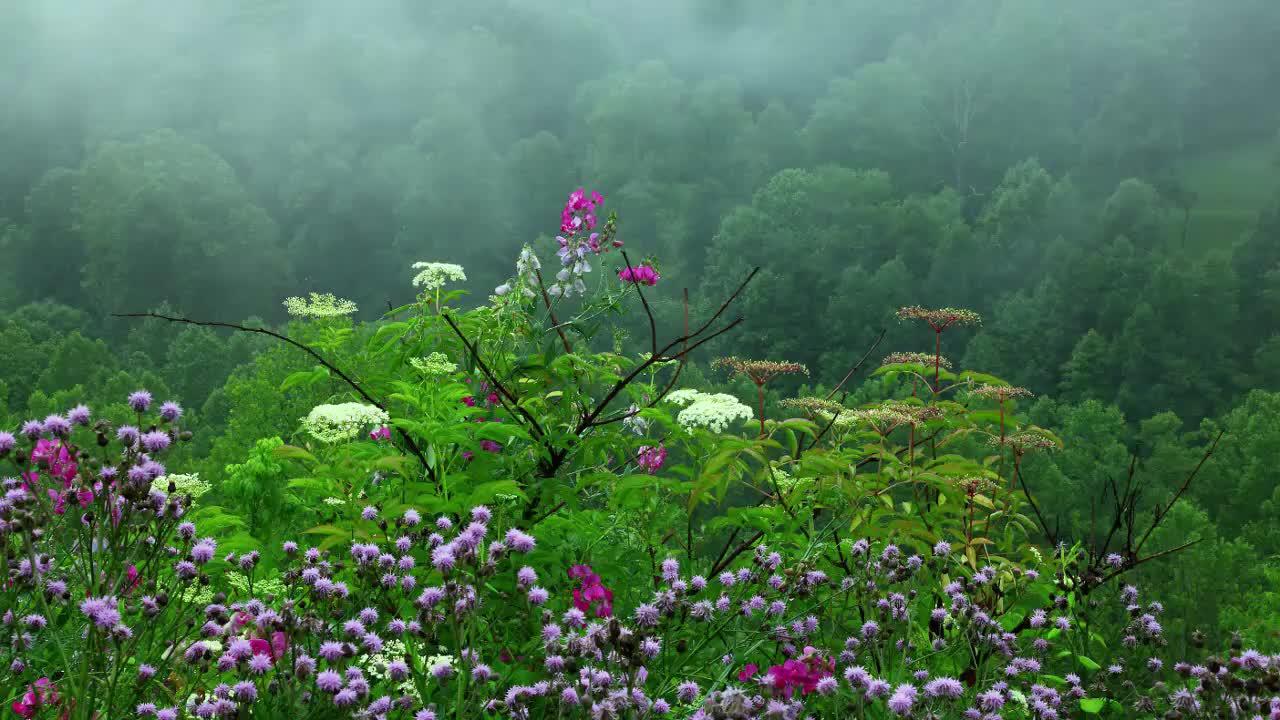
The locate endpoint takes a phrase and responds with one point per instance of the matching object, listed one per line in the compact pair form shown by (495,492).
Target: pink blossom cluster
(591,592)
(651,458)
(578,240)
(640,275)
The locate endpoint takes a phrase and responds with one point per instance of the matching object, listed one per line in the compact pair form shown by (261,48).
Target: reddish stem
(760,395)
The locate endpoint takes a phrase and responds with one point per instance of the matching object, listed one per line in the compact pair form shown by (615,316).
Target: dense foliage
(604,543)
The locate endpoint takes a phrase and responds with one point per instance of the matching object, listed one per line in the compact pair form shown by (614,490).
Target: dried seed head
(915,358)
(761,371)
(941,318)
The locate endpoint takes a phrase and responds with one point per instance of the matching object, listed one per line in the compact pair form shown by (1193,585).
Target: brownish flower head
(814,405)
(1022,442)
(918,414)
(915,358)
(941,318)
(883,418)
(761,371)
(1001,393)
(973,484)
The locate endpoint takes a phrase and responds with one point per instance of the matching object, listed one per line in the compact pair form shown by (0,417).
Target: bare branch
(653,327)
(510,401)
(408,440)
(1162,512)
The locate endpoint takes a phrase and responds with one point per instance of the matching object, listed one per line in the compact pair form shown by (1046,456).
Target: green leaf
(305,378)
(1092,705)
(293,452)
(1088,664)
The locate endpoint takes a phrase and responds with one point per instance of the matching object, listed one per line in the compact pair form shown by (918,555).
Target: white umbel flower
(319,305)
(184,484)
(434,365)
(713,411)
(335,423)
(432,275)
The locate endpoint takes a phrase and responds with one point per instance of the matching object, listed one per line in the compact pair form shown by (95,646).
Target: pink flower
(591,592)
(274,649)
(41,693)
(469,401)
(55,456)
(640,274)
(490,446)
(382,433)
(801,673)
(132,579)
(651,458)
(748,671)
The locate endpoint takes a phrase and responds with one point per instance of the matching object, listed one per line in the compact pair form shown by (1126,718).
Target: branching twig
(551,314)
(857,365)
(507,396)
(1162,511)
(653,327)
(408,440)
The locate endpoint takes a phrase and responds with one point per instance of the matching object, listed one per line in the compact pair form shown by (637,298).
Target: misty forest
(690,359)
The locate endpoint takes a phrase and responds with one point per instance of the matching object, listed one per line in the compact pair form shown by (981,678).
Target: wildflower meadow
(514,509)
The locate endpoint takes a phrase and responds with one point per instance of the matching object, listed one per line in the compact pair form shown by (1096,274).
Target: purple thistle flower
(442,558)
(329,681)
(79,415)
(646,615)
(520,541)
(170,411)
(203,551)
(140,400)
(7,442)
(156,441)
(397,670)
(168,713)
(102,611)
(411,517)
(526,576)
(128,435)
(304,665)
(246,690)
(57,426)
(944,687)
(688,691)
(877,688)
(369,513)
(481,514)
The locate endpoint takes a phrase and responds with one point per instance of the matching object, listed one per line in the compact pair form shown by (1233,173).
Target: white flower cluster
(319,305)
(262,587)
(184,484)
(434,365)
(392,650)
(634,422)
(436,661)
(335,423)
(713,411)
(527,267)
(433,275)
(334,501)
